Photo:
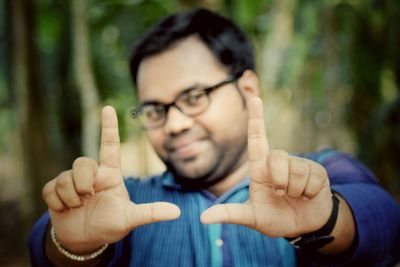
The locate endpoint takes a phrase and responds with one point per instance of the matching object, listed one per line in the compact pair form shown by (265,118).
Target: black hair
(226,40)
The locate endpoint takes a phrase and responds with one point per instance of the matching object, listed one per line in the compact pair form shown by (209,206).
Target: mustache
(174,141)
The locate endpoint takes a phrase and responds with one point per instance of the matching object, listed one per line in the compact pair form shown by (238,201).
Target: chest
(188,242)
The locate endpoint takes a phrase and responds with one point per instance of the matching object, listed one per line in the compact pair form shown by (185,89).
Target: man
(226,199)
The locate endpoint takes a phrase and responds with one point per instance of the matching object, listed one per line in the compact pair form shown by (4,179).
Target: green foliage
(111,43)
(249,14)
(335,46)
(339,68)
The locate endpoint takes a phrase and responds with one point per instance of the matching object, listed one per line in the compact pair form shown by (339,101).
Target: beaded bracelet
(71,256)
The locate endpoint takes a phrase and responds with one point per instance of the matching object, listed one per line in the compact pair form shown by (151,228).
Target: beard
(208,168)
(195,180)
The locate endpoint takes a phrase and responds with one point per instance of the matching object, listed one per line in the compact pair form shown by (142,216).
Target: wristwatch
(318,239)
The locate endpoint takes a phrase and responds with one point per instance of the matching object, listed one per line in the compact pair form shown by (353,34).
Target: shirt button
(219,242)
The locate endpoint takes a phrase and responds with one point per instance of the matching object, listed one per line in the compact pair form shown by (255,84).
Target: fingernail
(279,192)
(305,198)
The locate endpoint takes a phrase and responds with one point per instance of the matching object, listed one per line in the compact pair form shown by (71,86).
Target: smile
(186,149)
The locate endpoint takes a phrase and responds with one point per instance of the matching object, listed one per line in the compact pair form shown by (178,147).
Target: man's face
(202,149)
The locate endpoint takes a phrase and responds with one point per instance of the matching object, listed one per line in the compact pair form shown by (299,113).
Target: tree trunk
(31,142)
(85,80)
(278,40)
(30,107)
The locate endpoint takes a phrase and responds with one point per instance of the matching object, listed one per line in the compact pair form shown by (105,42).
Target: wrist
(345,232)
(81,255)
(323,236)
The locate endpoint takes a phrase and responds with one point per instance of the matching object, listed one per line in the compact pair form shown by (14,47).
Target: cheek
(226,120)
(156,139)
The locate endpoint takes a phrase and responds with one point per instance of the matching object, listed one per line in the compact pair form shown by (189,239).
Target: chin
(191,173)
(194,177)
(193,167)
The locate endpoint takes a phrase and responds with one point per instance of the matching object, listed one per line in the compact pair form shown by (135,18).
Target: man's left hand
(288,195)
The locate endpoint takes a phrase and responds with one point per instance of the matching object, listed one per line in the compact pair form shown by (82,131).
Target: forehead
(163,76)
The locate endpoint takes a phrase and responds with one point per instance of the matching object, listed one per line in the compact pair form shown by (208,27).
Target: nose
(177,121)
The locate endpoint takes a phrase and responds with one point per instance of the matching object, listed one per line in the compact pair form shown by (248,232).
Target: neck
(230,180)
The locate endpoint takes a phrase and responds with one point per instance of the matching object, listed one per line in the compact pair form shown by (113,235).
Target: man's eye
(194,99)
(154,113)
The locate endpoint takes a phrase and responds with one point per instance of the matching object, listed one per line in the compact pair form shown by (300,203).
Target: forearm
(376,220)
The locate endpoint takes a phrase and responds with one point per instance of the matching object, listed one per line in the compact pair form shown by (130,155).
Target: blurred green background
(330,72)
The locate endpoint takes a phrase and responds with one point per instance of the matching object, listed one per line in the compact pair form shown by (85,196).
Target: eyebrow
(184,91)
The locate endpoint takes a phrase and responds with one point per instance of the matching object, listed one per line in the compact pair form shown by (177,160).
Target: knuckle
(81,161)
(56,205)
(82,188)
(324,173)
(278,153)
(296,188)
(280,184)
(277,156)
(110,140)
(319,174)
(64,180)
(131,221)
(50,198)
(298,169)
(318,168)
(298,173)
(47,190)
(153,213)
(256,134)
(311,192)
(315,181)
(315,185)
(313,189)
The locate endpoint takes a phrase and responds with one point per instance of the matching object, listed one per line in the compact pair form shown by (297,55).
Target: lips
(184,148)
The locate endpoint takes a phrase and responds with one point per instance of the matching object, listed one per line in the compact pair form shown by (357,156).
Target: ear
(248,84)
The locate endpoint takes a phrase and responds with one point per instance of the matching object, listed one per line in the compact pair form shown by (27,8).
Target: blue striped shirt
(188,242)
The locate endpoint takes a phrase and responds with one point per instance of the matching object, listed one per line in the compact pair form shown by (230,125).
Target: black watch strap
(321,237)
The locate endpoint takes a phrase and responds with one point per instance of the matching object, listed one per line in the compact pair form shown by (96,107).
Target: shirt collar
(169,182)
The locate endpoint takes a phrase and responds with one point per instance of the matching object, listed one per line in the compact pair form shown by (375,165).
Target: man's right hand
(89,205)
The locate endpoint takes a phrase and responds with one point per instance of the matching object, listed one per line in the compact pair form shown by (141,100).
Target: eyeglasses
(191,102)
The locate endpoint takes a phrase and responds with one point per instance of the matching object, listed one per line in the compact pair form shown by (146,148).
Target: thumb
(141,214)
(230,213)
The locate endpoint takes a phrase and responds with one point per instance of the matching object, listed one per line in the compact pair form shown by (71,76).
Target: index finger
(258,146)
(110,154)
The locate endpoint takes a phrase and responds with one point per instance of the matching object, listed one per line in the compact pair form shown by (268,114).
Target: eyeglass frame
(135,113)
